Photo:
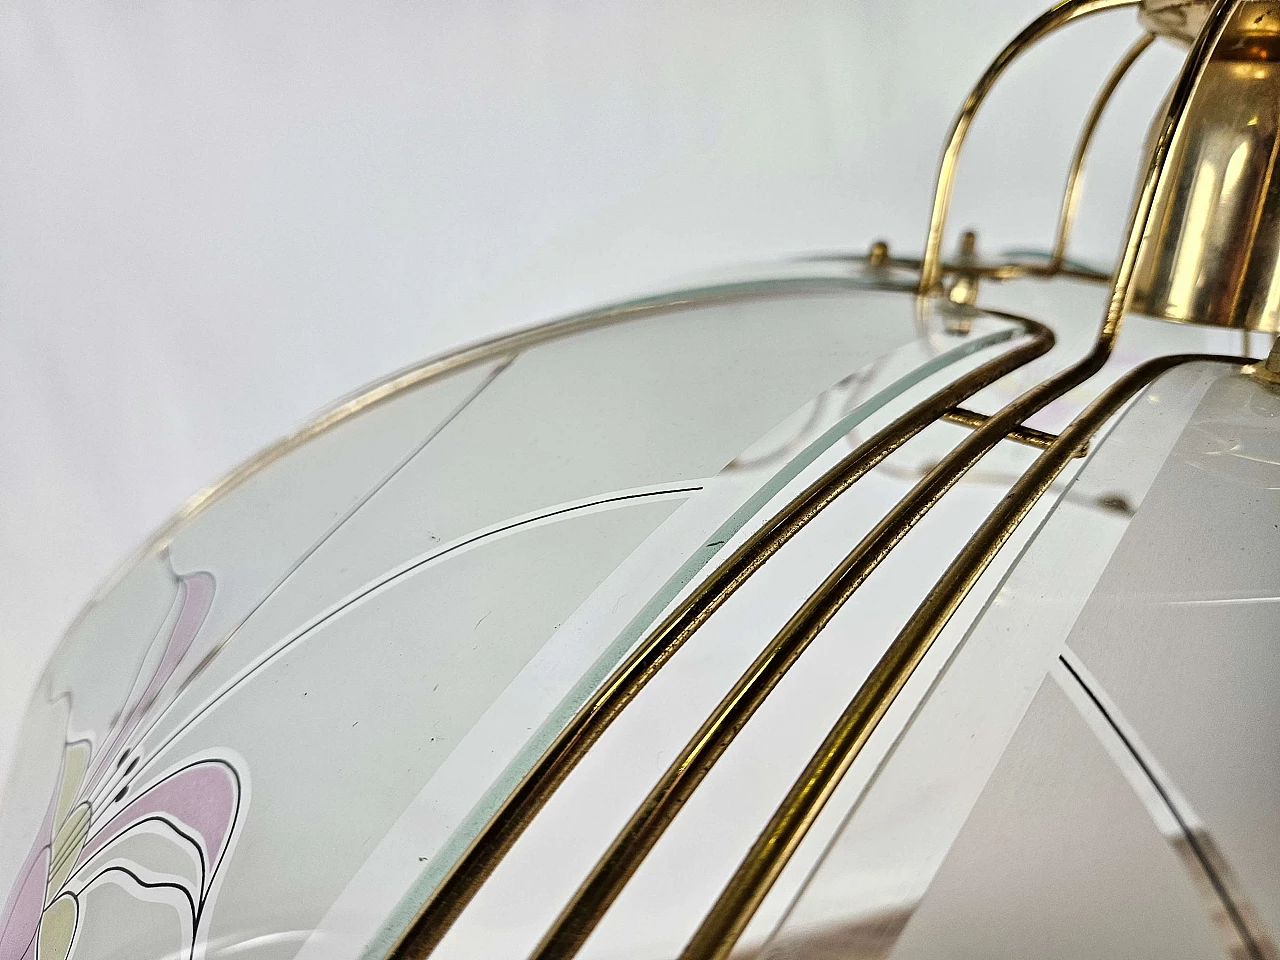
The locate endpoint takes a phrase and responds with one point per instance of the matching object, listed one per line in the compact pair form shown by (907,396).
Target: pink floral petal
(202,798)
(21,916)
(196,591)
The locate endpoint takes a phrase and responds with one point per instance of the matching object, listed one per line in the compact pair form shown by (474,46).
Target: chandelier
(869,606)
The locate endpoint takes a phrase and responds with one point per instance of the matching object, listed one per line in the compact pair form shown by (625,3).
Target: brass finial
(964,288)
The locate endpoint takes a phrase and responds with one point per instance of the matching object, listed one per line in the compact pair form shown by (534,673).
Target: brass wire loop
(458,888)
(1059,15)
(1075,174)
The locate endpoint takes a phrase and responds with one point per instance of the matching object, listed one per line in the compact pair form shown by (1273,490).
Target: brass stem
(773,848)
(509,822)
(1059,15)
(1075,175)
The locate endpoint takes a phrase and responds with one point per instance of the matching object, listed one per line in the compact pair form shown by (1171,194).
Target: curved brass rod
(736,905)
(1059,15)
(756,874)
(731,912)
(665,800)
(648,823)
(1075,180)
(453,361)
(688,770)
(994,271)
(505,827)
(1027,436)
(593,898)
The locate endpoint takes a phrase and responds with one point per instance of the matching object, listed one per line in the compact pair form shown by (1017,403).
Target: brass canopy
(1211,251)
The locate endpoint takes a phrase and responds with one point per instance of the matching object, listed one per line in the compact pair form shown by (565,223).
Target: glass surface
(1058,860)
(707,839)
(1146,599)
(295,711)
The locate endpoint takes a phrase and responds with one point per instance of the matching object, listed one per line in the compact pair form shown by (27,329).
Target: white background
(217,217)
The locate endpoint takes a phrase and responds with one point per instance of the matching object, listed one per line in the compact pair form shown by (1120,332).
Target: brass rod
(466,877)
(579,917)
(1075,175)
(755,876)
(1027,436)
(695,761)
(1059,15)
(647,824)
(742,895)
(994,271)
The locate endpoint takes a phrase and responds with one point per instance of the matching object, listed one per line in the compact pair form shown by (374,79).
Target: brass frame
(1027,436)
(742,896)
(1075,174)
(753,879)
(755,876)
(691,766)
(721,928)
(415,375)
(464,880)
(1059,15)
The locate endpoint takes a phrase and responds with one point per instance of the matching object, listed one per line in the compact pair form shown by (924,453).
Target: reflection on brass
(1027,436)
(1059,15)
(1180,20)
(1075,173)
(491,844)
(1213,252)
